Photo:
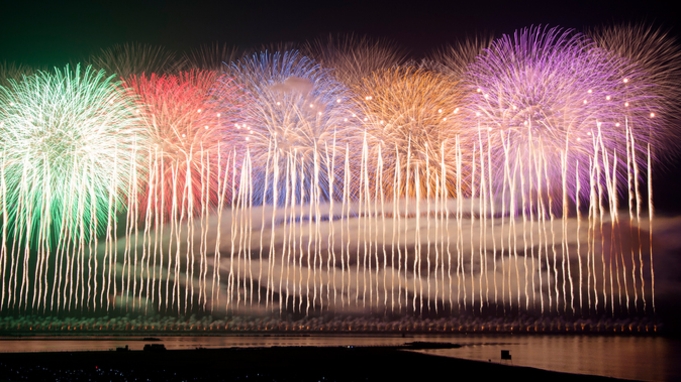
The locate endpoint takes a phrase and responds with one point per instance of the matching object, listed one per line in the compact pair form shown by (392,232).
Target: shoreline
(78,336)
(298,363)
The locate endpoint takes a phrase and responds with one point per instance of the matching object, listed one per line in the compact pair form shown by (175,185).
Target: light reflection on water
(642,358)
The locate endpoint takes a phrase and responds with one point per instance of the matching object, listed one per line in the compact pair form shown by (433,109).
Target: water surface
(628,357)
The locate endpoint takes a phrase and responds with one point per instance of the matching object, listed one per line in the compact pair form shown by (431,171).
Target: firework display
(490,185)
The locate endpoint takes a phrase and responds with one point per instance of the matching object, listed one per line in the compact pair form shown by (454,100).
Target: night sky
(52,32)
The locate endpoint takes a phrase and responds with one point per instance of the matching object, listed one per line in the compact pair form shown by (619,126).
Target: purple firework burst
(550,109)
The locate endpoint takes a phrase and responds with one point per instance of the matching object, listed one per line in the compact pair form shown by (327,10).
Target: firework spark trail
(579,242)
(262,229)
(331,240)
(459,237)
(482,232)
(630,203)
(651,212)
(591,240)
(564,241)
(363,202)
(637,194)
(3,251)
(447,229)
(380,191)
(492,214)
(345,229)
(472,241)
(270,258)
(397,180)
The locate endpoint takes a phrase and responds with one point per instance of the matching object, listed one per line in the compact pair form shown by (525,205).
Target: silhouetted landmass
(262,364)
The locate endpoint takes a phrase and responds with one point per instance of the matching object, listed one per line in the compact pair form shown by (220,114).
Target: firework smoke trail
(129,59)
(550,88)
(67,139)
(416,110)
(188,130)
(351,58)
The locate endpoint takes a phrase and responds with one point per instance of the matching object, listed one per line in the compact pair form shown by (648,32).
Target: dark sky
(52,31)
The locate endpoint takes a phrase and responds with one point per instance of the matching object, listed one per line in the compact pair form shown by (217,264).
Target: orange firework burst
(189,145)
(411,116)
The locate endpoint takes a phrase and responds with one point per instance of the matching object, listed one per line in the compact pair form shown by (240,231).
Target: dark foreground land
(261,364)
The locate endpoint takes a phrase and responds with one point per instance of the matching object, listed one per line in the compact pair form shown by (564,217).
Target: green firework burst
(67,154)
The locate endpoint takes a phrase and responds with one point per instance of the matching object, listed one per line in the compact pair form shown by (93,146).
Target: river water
(628,357)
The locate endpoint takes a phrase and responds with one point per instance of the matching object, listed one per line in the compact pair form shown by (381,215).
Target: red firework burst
(189,146)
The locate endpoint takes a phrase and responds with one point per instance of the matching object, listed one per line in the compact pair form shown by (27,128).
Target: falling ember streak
(650,227)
